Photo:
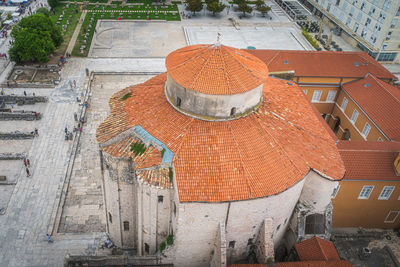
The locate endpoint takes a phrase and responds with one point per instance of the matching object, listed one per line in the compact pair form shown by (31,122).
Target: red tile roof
(259,155)
(322,63)
(341,263)
(122,149)
(317,249)
(216,69)
(158,177)
(368,160)
(381,101)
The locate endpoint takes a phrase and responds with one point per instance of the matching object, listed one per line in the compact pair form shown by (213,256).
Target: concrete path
(23,227)
(76,33)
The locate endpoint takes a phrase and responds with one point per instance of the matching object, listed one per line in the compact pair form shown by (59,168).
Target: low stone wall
(23,115)
(122,260)
(16,135)
(12,156)
(22,100)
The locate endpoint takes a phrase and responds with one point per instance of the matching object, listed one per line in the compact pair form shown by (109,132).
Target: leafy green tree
(35,38)
(245,8)
(31,45)
(43,11)
(264,10)
(215,7)
(238,2)
(53,3)
(194,6)
(210,1)
(41,23)
(259,3)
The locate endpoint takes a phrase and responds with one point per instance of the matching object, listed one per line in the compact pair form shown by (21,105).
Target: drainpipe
(139,220)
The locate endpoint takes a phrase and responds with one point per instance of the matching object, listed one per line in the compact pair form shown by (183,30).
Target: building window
(380,139)
(337,2)
(232,244)
(366,130)
(362,6)
(126,226)
(354,116)
(315,224)
(316,96)
(331,96)
(386,5)
(356,25)
(388,36)
(348,21)
(178,102)
(386,192)
(344,104)
(351,13)
(146,248)
(392,216)
(160,199)
(371,11)
(368,22)
(335,191)
(359,17)
(365,192)
(233,111)
(305,91)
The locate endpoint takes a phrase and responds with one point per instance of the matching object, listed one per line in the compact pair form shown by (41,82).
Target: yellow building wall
(345,122)
(349,211)
(322,106)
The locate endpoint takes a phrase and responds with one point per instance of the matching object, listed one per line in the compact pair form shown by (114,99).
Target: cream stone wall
(317,191)
(197,225)
(218,106)
(136,203)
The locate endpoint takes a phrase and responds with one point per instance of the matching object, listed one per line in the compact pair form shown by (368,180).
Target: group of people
(4,56)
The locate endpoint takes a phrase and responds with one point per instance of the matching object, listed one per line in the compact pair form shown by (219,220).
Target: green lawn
(73,21)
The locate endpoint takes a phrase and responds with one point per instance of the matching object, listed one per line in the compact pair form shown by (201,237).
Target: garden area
(66,18)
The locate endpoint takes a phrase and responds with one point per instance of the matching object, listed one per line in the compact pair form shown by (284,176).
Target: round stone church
(217,157)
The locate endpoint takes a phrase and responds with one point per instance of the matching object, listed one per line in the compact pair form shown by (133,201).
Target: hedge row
(310,38)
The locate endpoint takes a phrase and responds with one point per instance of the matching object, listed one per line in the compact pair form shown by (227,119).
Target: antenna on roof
(218,43)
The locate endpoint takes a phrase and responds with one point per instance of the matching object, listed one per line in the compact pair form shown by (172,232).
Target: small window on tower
(146,248)
(126,226)
(178,102)
(233,111)
(160,199)
(110,217)
(232,244)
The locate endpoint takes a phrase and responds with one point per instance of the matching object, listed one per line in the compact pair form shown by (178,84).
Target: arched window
(233,111)
(178,102)
(346,135)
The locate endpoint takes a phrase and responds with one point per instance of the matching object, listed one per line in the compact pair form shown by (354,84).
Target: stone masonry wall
(265,244)
(197,223)
(219,254)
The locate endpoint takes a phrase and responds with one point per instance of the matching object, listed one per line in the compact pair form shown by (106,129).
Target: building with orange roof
(218,155)
(352,92)
(369,193)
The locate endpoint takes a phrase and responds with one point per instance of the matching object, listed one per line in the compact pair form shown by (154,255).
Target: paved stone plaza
(84,208)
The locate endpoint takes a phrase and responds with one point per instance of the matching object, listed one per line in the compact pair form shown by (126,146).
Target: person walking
(66,130)
(74,83)
(24,93)
(48,238)
(27,172)
(70,83)
(25,162)
(28,163)
(36,132)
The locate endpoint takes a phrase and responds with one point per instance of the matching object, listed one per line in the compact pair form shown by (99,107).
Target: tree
(31,45)
(43,11)
(245,8)
(259,3)
(41,23)
(35,38)
(53,3)
(194,6)
(215,7)
(264,10)
(238,2)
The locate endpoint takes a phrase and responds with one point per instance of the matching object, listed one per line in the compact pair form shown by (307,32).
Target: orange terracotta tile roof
(259,155)
(151,157)
(380,100)
(341,263)
(368,160)
(317,249)
(158,177)
(322,63)
(216,70)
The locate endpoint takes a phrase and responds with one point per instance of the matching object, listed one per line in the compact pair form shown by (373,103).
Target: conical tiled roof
(216,69)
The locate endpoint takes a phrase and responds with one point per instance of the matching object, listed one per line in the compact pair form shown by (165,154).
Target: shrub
(138,148)
(170,239)
(163,246)
(310,38)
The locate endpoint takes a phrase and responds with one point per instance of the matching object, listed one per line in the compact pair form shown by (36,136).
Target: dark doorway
(337,125)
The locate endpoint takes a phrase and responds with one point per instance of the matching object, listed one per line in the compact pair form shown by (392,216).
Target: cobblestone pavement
(84,211)
(23,226)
